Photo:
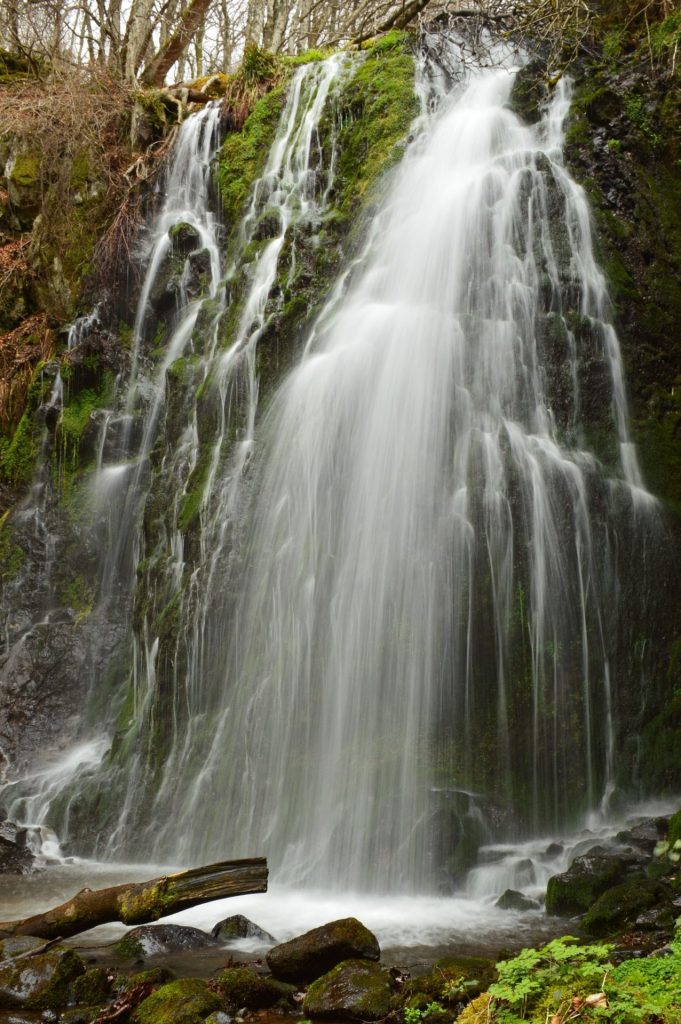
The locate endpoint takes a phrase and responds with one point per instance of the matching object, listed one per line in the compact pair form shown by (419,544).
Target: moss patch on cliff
(244,154)
(376,110)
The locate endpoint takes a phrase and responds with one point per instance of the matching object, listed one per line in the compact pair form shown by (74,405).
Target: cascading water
(423,503)
(414,558)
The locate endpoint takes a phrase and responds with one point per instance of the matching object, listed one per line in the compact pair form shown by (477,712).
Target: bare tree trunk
(158,68)
(141,902)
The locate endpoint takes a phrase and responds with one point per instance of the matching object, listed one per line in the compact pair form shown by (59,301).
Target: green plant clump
(565,981)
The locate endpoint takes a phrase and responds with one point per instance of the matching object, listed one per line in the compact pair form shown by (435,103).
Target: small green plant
(412,1015)
(615,146)
(637,113)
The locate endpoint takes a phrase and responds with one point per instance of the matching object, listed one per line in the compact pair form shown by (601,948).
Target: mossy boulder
(242,987)
(23,174)
(41,982)
(239,927)
(628,905)
(674,833)
(310,955)
(353,990)
(94,987)
(185,238)
(186,1001)
(574,891)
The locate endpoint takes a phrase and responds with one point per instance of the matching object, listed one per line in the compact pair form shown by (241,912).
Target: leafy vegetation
(565,981)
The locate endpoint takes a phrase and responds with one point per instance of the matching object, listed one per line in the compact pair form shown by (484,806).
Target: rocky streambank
(621,897)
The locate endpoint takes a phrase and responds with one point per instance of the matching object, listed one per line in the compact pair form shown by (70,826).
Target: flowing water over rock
(377,628)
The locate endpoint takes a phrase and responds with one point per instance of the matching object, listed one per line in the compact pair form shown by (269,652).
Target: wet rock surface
(154,939)
(353,990)
(310,955)
(40,982)
(239,927)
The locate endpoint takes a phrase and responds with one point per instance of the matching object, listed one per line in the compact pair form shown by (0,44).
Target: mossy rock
(575,890)
(154,976)
(242,987)
(92,988)
(41,982)
(310,955)
(621,907)
(353,990)
(186,1001)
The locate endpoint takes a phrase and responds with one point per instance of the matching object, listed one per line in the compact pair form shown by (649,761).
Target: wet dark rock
(513,900)
(94,987)
(185,1001)
(645,835)
(197,281)
(15,859)
(310,955)
(353,990)
(574,891)
(268,226)
(185,238)
(40,982)
(165,289)
(554,850)
(152,939)
(242,987)
(623,906)
(239,927)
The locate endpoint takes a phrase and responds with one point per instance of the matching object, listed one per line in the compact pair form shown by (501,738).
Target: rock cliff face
(76,640)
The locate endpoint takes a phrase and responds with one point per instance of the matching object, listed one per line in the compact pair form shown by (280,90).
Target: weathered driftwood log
(142,902)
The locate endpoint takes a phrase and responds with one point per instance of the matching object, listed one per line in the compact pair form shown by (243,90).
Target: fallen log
(142,902)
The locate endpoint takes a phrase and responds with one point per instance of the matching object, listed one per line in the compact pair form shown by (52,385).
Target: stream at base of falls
(413,931)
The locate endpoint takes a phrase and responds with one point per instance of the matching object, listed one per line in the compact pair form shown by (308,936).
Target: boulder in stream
(574,891)
(353,990)
(242,987)
(239,927)
(308,956)
(152,939)
(513,900)
(185,1001)
(41,982)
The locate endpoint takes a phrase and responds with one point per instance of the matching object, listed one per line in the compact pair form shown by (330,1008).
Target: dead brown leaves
(21,350)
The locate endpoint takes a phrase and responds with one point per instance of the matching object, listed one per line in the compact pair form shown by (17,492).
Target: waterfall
(396,634)
(432,545)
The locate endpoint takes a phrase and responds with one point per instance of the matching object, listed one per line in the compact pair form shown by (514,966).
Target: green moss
(154,976)
(674,834)
(618,908)
(243,154)
(42,982)
(18,457)
(186,1001)
(12,555)
(78,594)
(378,106)
(243,987)
(308,57)
(25,170)
(93,987)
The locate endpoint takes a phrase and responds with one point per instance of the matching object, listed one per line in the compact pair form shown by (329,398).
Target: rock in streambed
(308,956)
